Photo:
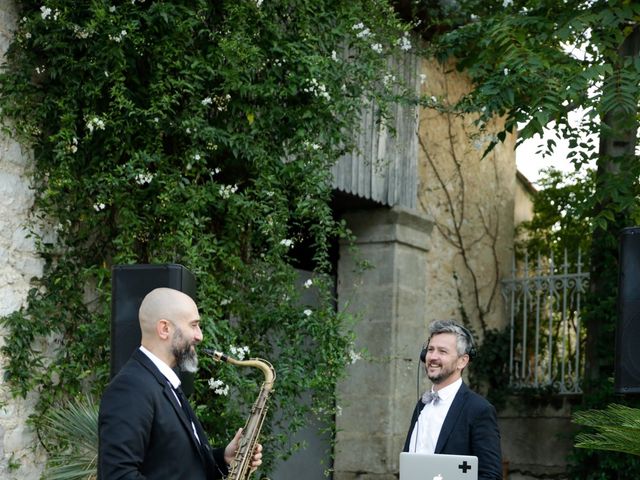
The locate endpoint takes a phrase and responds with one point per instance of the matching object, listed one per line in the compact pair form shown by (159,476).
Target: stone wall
(471,200)
(536,438)
(21,456)
(523,208)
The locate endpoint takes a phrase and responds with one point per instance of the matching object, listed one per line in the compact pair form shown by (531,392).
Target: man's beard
(444,373)
(184,353)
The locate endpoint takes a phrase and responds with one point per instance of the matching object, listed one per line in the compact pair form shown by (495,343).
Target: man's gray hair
(464,340)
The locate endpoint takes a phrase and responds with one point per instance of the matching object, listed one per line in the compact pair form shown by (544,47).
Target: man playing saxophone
(147,429)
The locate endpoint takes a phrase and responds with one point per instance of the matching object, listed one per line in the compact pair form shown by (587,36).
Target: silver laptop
(424,466)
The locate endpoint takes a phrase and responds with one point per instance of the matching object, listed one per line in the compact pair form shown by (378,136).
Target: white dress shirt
(429,424)
(171,377)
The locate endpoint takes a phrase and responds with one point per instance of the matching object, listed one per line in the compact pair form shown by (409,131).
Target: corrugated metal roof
(384,166)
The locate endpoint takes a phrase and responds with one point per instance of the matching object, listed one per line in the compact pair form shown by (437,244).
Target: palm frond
(617,429)
(74,429)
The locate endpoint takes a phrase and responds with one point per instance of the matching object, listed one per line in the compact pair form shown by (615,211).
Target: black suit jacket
(145,434)
(470,428)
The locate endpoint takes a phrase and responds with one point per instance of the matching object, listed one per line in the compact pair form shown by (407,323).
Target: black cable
(418,380)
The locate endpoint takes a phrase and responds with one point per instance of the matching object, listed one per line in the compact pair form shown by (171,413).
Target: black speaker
(129,285)
(627,362)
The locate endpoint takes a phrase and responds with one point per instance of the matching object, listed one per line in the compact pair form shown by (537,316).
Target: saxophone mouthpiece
(221,357)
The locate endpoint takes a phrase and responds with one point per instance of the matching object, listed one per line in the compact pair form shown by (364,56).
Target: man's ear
(163,329)
(463,361)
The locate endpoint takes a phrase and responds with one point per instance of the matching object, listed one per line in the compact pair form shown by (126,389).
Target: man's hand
(232,448)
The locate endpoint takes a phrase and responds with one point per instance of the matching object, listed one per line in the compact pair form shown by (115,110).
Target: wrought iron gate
(543,304)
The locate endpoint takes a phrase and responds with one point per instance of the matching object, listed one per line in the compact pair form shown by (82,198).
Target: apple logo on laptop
(438,477)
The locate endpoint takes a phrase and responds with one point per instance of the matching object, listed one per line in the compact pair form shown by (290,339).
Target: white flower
(286,242)
(73,146)
(218,386)
(45,12)
(308,312)
(214,171)
(358,26)
(27,35)
(118,38)
(227,190)
(225,301)
(239,352)
(143,178)
(388,78)
(507,3)
(112,8)
(207,101)
(366,33)
(311,146)
(404,43)
(423,78)
(318,89)
(354,356)
(376,47)
(80,33)
(334,56)
(506,71)
(99,206)
(259,3)
(95,123)
(308,283)
(196,156)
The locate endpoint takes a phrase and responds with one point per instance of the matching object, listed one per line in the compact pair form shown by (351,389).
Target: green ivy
(199,133)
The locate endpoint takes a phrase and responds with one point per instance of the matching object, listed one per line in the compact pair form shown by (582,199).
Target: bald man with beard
(147,430)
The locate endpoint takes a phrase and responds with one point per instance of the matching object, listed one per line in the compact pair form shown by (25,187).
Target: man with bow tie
(450,418)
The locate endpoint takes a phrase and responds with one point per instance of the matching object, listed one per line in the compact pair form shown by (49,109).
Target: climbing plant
(199,133)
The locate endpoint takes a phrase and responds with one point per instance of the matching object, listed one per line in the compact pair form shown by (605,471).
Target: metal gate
(543,304)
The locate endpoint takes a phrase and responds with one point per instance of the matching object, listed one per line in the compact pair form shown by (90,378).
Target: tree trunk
(616,161)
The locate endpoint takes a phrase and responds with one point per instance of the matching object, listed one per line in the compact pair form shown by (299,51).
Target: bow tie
(428,397)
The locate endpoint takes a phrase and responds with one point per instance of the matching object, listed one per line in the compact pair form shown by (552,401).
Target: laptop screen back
(423,466)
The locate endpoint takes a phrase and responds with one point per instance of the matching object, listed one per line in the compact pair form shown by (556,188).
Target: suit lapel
(167,391)
(452,416)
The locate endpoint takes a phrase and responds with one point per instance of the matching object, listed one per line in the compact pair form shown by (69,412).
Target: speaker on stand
(627,353)
(129,285)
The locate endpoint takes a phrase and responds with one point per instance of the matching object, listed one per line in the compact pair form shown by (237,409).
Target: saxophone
(240,468)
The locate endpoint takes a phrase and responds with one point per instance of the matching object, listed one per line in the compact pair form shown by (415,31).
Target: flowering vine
(199,133)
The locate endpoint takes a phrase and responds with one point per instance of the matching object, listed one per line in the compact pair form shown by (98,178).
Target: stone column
(388,299)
